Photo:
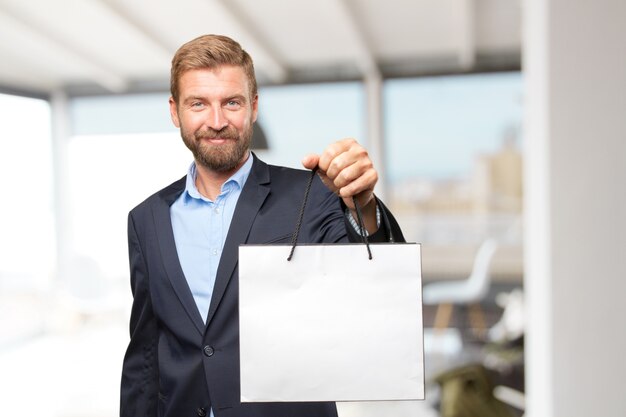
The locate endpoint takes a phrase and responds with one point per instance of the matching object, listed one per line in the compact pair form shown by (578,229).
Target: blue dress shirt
(200,229)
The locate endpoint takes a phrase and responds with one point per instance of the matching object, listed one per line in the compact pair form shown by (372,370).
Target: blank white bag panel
(331,325)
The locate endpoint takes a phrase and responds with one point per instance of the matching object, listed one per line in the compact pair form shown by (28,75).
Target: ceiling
(117,46)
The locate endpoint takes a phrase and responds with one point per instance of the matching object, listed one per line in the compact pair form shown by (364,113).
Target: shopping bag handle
(296,232)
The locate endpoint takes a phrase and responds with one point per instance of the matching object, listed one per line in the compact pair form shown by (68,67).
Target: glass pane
(303,119)
(455,171)
(27,249)
(454,155)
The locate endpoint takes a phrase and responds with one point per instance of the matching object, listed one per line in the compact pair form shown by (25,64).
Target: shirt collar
(238,179)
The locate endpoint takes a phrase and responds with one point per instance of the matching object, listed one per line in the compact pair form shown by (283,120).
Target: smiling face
(215,113)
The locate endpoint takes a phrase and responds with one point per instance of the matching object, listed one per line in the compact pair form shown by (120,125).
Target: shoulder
(323,219)
(279,177)
(289,175)
(295,181)
(261,169)
(289,185)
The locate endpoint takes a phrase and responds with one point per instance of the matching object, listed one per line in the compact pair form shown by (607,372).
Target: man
(183,356)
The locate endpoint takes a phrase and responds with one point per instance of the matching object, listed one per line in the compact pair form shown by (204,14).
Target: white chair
(469,292)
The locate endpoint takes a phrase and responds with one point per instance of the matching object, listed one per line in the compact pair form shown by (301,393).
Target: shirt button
(214,251)
(208,351)
(201,412)
(217,210)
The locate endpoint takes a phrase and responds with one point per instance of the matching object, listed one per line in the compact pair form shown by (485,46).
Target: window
(303,119)
(27,247)
(454,155)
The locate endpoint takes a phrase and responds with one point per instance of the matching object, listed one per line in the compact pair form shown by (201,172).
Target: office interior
(497,128)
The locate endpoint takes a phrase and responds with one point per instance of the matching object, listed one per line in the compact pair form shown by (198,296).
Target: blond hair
(210,52)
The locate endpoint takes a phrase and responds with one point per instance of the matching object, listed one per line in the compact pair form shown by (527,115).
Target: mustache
(227,132)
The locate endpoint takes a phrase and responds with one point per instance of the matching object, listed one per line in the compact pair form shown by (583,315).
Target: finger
(363,184)
(351,172)
(333,150)
(310,161)
(353,154)
(363,199)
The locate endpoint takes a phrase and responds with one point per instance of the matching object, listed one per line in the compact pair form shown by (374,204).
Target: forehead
(223,80)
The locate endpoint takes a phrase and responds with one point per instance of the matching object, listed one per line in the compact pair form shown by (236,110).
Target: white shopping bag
(331,324)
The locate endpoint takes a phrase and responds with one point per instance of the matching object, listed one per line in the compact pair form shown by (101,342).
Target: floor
(74,374)
(73,362)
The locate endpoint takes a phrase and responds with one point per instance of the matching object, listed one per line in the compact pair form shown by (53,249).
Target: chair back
(480,279)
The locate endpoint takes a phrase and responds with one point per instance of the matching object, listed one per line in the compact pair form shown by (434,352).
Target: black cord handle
(362,230)
(296,233)
(294,237)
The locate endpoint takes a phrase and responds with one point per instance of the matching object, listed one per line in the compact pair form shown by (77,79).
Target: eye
(197,104)
(233,104)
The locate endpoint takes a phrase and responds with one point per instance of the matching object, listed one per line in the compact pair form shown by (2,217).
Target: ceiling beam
(274,68)
(98,72)
(366,61)
(29,93)
(166,47)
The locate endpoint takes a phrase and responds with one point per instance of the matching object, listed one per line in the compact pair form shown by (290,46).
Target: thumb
(310,161)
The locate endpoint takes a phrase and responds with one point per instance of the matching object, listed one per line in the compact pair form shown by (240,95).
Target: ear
(174,112)
(255,108)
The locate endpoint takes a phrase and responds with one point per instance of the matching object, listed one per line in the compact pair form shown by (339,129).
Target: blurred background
(496,125)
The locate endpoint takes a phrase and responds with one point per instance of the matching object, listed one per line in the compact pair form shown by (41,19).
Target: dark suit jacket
(176,365)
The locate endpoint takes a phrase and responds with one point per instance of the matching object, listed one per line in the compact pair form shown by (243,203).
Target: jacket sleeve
(388,230)
(139,387)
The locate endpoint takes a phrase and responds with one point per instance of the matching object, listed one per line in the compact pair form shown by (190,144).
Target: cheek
(246,122)
(238,123)
(189,123)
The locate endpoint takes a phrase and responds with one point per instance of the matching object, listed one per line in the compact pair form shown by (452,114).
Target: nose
(216,119)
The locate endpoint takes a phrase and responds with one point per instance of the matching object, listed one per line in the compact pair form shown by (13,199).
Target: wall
(575,69)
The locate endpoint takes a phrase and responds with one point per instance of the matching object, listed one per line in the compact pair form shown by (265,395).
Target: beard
(219,158)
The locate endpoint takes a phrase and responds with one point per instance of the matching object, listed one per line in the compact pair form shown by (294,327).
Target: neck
(209,182)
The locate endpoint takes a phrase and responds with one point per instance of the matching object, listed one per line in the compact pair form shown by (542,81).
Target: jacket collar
(252,197)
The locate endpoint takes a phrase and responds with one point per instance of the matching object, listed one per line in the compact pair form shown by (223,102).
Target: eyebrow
(240,97)
(193,98)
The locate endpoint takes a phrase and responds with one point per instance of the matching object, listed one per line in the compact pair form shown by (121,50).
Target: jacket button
(201,412)
(208,351)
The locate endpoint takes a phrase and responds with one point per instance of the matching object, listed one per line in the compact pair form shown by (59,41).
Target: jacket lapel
(169,256)
(250,201)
